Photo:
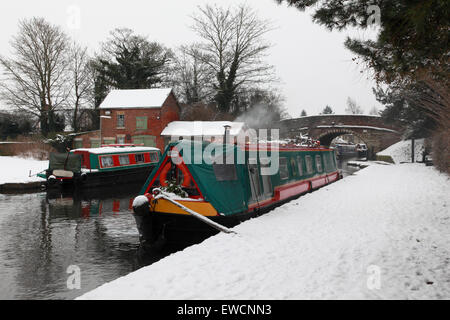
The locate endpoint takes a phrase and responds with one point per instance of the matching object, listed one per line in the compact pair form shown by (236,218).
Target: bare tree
(353,107)
(35,78)
(192,77)
(82,77)
(234,49)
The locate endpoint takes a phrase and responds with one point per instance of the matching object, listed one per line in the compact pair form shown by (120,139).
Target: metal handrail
(159,194)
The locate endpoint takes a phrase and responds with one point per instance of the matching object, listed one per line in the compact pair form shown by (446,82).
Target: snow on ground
(16,170)
(401,151)
(383,233)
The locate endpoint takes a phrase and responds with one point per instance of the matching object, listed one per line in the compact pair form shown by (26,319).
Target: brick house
(133,116)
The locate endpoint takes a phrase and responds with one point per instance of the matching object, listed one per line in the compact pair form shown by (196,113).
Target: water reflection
(43,234)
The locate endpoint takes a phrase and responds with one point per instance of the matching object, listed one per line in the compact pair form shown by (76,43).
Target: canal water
(346,169)
(46,237)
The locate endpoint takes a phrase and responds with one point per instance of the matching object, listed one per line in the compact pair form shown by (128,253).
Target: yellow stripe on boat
(204,208)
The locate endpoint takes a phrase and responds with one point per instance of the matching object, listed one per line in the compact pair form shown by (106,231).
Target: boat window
(309,166)
(124,160)
(267,182)
(154,157)
(319,163)
(107,161)
(284,170)
(255,184)
(293,167)
(328,162)
(225,172)
(300,165)
(139,158)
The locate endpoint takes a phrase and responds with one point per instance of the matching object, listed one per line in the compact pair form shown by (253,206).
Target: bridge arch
(371,129)
(327,137)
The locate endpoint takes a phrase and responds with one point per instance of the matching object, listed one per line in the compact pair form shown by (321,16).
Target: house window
(109,140)
(300,165)
(121,121)
(148,141)
(124,160)
(139,158)
(95,143)
(120,139)
(107,162)
(284,170)
(309,165)
(78,143)
(141,123)
(319,163)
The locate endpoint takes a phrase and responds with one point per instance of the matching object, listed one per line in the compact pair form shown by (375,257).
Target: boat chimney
(226,137)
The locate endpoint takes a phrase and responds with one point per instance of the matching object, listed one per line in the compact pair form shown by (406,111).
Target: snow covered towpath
(383,233)
(15,173)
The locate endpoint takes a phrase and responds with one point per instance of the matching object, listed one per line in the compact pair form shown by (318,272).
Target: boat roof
(111,150)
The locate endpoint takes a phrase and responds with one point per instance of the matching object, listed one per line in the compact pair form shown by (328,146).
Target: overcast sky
(312,64)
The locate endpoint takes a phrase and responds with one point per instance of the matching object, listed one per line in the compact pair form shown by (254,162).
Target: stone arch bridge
(371,129)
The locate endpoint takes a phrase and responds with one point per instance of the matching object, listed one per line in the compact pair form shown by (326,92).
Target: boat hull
(101,179)
(175,228)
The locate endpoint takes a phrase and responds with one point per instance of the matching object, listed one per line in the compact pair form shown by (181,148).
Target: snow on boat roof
(107,150)
(136,98)
(202,128)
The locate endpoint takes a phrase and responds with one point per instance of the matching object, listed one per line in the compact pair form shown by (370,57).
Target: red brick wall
(157,120)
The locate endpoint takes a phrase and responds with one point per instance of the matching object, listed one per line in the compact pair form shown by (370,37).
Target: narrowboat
(226,192)
(104,166)
(361,148)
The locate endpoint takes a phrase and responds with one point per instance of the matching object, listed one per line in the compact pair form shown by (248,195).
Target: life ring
(186,177)
(163,176)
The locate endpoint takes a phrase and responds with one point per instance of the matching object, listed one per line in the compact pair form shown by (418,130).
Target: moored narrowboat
(226,192)
(104,166)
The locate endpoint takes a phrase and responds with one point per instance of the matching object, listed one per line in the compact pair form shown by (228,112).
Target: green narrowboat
(105,166)
(227,183)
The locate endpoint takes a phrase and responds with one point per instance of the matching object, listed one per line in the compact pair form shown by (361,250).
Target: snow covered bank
(17,170)
(383,233)
(401,151)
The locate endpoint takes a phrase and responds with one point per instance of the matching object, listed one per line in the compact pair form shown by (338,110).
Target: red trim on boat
(293,189)
(285,192)
(318,182)
(64,178)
